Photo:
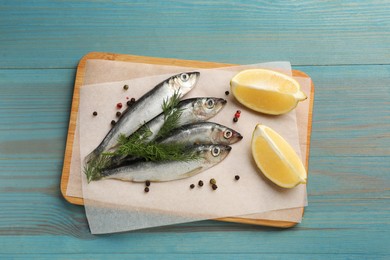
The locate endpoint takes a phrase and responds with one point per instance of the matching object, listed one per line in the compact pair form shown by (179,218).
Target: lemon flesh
(276,159)
(266,91)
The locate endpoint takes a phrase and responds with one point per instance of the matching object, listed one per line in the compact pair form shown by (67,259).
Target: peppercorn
(226,93)
(192,186)
(126,87)
(235,119)
(213,181)
(237,177)
(238,111)
(237,115)
(214,186)
(129,103)
(147,183)
(132,100)
(118,114)
(200,183)
(119,105)
(113,122)
(146,189)
(94,113)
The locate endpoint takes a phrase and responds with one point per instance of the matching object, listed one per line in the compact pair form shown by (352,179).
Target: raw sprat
(152,151)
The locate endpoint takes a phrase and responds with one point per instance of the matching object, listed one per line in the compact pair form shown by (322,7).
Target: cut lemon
(276,159)
(266,91)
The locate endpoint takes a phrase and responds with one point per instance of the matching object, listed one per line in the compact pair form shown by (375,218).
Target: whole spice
(94,113)
(119,105)
(235,119)
(146,189)
(118,114)
(113,122)
(200,183)
(214,186)
(147,183)
(226,93)
(192,186)
(237,177)
(213,181)
(126,87)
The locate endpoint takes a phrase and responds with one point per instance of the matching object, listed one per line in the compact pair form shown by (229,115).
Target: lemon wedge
(276,159)
(266,91)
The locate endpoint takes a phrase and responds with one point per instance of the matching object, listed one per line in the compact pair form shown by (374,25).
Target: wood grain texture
(348,216)
(55,34)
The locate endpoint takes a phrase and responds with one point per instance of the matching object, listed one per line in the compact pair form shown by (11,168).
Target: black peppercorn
(147,183)
(235,119)
(94,113)
(118,114)
(132,100)
(113,122)
(192,186)
(126,87)
(214,186)
(146,189)
(226,93)
(200,183)
(237,177)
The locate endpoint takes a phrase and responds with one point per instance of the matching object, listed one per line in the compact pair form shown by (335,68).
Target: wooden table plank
(55,34)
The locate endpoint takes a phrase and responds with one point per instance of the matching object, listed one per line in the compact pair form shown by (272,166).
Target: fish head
(225,135)
(184,82)
(206,108)
(215,153)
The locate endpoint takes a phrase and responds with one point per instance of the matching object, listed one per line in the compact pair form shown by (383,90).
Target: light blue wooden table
(343,45)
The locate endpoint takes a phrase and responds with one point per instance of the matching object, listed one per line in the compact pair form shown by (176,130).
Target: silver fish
(146,108)
(193,110)
(209,155)
(202,133)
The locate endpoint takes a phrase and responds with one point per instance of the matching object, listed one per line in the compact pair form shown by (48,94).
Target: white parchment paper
(123,200)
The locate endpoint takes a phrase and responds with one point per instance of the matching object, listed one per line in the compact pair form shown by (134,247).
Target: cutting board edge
(160,61)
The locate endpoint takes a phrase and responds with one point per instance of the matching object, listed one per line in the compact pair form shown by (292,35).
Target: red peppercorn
(119,105)
(237,115)
(238,111)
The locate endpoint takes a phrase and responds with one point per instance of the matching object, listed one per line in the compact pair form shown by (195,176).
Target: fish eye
(227,134)
(210,103)
(215,151)
(184,77)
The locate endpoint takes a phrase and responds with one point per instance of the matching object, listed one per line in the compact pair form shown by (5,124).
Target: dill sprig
(171,115)
(93,168)
(153,151)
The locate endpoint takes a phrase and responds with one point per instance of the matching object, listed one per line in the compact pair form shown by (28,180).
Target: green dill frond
(171,115)
(94,167)
(169,104)
(157,152)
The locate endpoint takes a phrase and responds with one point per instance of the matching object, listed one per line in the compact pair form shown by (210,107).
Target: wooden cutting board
(160,61)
